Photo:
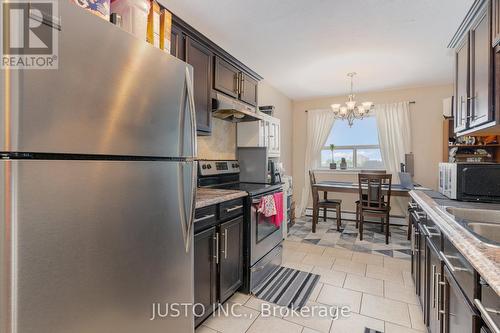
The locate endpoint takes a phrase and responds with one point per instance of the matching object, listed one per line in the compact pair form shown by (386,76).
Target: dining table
(353,187)
(326,186)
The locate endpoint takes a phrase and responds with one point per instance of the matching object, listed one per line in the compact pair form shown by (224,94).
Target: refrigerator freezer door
(89,246)
(113,94)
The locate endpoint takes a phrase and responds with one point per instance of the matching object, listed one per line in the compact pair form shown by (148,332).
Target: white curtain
(319,126)
(394,131)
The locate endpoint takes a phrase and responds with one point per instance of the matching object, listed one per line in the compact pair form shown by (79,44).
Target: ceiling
(305,48)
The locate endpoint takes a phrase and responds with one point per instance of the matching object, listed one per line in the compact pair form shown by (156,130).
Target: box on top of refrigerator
(100,8)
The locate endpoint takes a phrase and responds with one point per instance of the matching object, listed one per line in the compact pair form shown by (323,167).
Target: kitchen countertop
(211,196)
(484,258)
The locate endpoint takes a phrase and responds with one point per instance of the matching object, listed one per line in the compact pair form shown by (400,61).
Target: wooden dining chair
(324,203)
(373,201)
(380,172)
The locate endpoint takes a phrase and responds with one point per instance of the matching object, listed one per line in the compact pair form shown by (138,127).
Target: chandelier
(350,111)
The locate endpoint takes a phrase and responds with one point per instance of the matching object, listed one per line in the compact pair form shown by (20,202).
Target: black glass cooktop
(252,188)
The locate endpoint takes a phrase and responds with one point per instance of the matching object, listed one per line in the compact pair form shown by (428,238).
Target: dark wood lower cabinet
(433,292)
(205,272)
(447,285)
(458,314)
(231,259)
(218,265)
(489,306)
(421,268)
(415,253)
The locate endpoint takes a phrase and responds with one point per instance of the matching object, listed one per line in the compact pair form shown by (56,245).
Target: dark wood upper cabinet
(231,258)
(476,81)
(226,78)
(235,83)
(205,274)
(480,71)
(495,22)
(214,68)
(248,89)
(461,84)
(177,42)
(200,57)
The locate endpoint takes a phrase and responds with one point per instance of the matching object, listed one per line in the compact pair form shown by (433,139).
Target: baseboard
(351,216)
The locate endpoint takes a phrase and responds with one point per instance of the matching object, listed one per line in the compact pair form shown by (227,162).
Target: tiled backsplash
(221,144)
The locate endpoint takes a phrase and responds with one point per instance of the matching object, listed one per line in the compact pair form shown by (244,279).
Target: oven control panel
(213,168)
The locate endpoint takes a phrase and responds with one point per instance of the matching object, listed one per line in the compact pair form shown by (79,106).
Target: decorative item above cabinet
(477,71)
(214,70)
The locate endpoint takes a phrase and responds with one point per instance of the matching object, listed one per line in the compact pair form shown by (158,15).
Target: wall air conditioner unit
(448,107)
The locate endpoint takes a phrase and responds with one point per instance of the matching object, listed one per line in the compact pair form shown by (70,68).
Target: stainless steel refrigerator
(97,186)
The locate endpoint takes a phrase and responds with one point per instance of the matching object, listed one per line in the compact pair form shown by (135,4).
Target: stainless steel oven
(262,238)
(264,234)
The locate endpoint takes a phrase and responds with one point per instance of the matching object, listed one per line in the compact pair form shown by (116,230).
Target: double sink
(482,223)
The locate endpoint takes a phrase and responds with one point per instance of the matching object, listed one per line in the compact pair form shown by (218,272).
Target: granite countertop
(483,257)
(211,196)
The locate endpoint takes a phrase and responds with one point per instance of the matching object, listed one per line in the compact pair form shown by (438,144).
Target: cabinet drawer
(204,218)
(490,311)
(460,268)
(230,209)
(433,233)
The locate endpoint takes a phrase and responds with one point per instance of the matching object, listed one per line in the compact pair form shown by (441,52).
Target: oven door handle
(257,200)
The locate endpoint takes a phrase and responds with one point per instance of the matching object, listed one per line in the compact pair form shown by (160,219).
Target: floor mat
(371,330)
(287,287)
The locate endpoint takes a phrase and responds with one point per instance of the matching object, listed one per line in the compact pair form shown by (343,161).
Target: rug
(371,330)
(287,287)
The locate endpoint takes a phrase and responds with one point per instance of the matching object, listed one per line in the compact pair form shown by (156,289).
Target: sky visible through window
(362,132)
(358,144)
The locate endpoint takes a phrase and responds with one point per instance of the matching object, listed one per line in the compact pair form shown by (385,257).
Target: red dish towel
(267,206)
(278,202)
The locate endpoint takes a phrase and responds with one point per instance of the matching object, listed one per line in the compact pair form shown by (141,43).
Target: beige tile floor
(378,289)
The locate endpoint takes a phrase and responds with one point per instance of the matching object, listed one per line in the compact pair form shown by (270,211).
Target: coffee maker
(274,172)
(257,167)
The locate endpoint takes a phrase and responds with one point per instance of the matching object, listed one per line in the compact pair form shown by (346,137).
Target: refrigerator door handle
(192,206)
(192,112)
(187,205)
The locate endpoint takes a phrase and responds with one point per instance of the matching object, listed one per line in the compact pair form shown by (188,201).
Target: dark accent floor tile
(388,253)
(362,249)
(311,241)
(403,251)
(345,246)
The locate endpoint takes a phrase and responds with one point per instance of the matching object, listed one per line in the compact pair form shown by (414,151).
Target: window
(357,144)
